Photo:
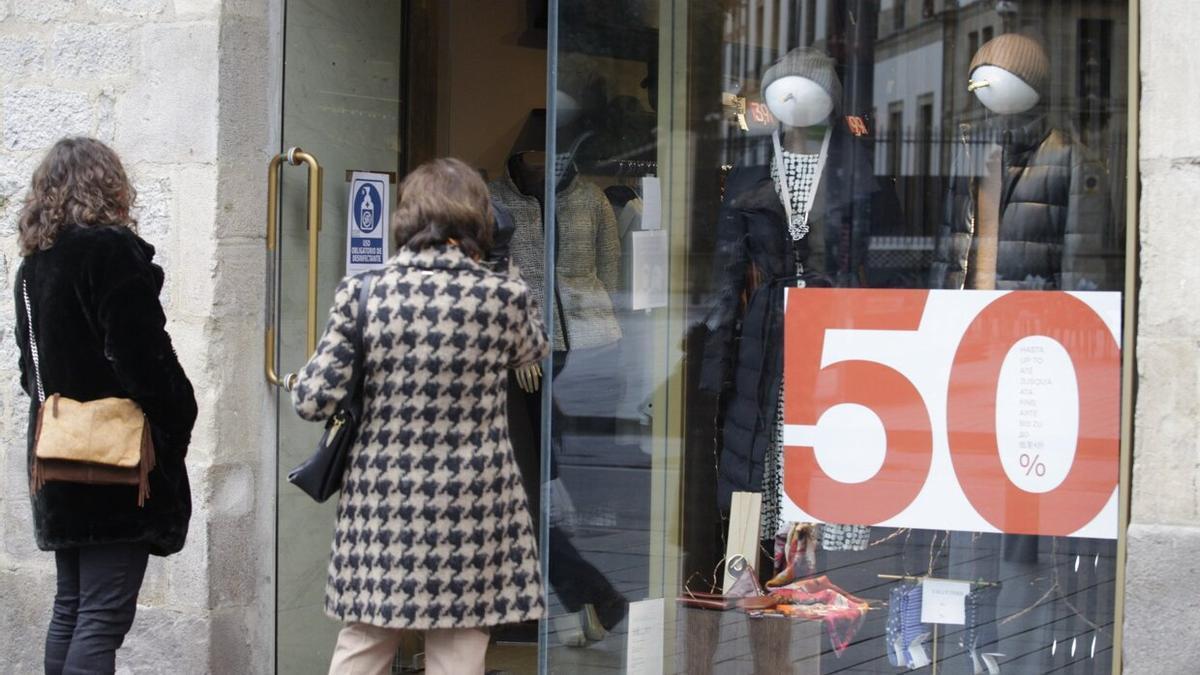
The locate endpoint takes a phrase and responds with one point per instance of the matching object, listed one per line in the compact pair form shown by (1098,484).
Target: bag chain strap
(33,348)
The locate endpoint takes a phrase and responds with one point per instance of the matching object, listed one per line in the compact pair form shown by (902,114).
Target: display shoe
(593,629)
(568,628)
(612,610)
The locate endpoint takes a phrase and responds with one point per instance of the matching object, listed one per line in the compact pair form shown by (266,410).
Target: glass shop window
(836,380)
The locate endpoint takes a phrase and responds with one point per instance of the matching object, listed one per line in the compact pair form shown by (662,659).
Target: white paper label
(898,651)
(650,260)
(367,222)
(917,658)
(944,601)
(651,203)
(644,653)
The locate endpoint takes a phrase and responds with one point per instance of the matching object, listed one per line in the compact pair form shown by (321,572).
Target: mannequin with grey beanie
(1028,206)
(798,220)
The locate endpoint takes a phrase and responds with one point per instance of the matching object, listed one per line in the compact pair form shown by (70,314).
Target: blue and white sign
(367,222)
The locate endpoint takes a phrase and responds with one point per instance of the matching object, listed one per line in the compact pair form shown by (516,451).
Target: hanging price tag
(944,601)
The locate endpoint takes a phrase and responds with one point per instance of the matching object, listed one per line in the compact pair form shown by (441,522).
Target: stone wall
(1164,534)
(180,89)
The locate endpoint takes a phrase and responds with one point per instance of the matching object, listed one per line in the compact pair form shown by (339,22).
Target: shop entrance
(377,87)
(688,201)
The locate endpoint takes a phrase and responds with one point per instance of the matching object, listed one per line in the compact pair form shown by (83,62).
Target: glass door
(342,106)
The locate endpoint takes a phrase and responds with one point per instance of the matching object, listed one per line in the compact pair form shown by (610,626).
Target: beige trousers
(363,649)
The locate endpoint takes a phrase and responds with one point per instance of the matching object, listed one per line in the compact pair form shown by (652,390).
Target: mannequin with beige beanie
(1028,206)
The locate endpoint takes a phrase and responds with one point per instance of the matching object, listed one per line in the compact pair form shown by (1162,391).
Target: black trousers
(94,606)
(576,581)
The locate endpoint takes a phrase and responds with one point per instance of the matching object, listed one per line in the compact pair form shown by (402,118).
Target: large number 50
(971,411)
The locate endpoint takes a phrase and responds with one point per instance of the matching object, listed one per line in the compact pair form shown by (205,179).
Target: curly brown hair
(444,201)
(80,182)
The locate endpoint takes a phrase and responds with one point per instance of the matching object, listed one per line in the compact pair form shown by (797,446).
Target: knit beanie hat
(1020,55)
(809,64)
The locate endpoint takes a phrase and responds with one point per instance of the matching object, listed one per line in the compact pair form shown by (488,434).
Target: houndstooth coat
(433,523)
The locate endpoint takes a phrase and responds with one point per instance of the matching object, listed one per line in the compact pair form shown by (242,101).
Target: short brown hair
(440,201)
(80,182)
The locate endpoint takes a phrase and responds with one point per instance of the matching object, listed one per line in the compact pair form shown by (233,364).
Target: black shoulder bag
(321,475)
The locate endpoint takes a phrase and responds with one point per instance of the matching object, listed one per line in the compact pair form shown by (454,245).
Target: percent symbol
(1033,464)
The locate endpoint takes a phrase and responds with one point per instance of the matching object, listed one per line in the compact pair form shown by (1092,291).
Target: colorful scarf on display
(819,599)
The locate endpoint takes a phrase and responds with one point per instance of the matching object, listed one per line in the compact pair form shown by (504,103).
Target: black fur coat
(100,331)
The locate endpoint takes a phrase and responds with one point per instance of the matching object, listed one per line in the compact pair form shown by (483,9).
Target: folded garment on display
(814,599)
(845,537)
(905,633)
(980,633)
(831,537)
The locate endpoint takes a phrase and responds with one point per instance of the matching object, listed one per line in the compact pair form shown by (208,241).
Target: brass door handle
(294,157)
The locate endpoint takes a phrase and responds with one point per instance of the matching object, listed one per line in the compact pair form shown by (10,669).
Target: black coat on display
(1056,229)
(754,259)
(100,332)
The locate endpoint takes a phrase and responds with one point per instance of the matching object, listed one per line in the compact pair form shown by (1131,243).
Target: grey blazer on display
(588,261)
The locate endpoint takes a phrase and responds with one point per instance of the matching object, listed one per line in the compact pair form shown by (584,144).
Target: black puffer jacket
(101,333)
(755,256)
(1055,222)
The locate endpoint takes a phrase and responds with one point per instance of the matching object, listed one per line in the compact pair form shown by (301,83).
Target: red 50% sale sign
(981,411)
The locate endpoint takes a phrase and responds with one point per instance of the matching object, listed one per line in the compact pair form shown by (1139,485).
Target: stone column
(1162,604)
(180,88)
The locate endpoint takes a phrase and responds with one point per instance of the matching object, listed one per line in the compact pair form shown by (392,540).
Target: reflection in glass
(713,155)
(585,339)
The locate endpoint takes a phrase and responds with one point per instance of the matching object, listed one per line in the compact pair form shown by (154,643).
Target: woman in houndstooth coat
(433,525)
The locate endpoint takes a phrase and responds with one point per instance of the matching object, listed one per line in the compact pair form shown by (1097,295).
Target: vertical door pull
(294,157)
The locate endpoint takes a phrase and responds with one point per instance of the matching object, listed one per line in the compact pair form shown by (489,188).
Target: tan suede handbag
(101,442)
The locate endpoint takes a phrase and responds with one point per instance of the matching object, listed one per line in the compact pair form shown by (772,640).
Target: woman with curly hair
(89,327)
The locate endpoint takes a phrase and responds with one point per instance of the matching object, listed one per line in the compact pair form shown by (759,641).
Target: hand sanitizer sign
(367,222)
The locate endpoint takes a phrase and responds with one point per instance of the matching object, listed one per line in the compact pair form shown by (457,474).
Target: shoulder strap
(360,316)
(33,346)
(360,328)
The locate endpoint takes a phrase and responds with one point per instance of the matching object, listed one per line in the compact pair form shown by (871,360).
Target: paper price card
(944,601)
(979,411)
(648,286)
(644,649)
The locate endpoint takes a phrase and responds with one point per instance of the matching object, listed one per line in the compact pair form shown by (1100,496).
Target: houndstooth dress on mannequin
(801,170)
(433,523)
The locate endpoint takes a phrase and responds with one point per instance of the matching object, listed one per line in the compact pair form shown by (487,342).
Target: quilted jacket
(1055,221)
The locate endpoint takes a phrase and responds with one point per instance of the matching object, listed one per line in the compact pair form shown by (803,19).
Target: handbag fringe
(37,478)
(146,465)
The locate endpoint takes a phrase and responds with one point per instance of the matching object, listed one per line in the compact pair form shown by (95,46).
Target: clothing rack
(909,577)
(918,579)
